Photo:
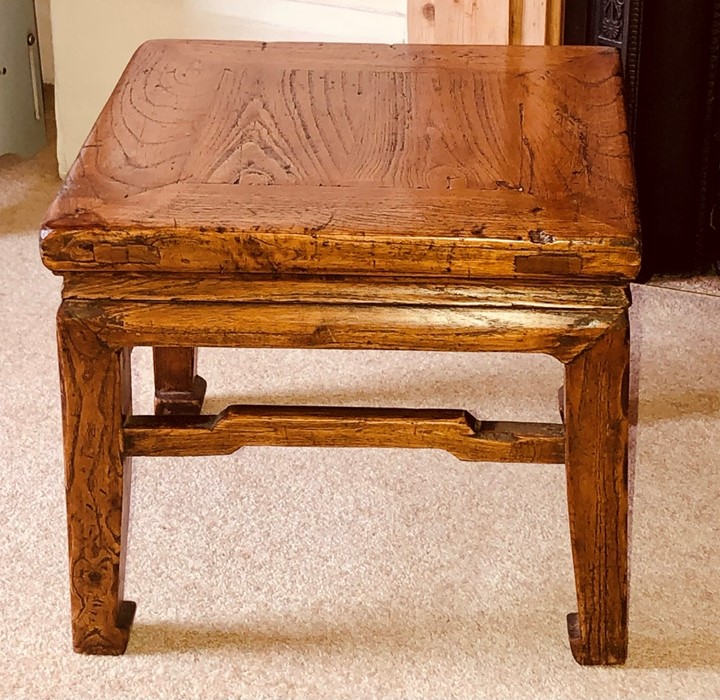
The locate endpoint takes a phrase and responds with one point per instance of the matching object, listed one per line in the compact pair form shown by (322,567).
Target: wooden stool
(348,196)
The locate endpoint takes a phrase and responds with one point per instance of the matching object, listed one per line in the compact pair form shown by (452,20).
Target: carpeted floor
(358,573)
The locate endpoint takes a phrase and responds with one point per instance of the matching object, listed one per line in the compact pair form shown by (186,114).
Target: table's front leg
(95,382)
(596,427)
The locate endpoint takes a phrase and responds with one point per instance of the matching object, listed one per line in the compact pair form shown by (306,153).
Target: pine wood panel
(529,22)
(457,432)
(490,161)
(458,22)
(534,21)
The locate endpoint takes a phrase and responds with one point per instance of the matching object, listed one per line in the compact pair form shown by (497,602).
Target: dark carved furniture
(671,53)
(348,196)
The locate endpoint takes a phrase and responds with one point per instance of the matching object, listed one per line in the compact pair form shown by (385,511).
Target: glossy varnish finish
(307,196)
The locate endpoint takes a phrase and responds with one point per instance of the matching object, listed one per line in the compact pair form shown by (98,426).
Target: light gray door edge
(22,114)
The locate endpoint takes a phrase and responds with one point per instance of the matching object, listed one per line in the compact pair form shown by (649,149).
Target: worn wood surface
(457,432)
(358,197)
(96,397)
(344,290)
(299,229)
(562,334)
(178,387)
(472,162)
(596,425)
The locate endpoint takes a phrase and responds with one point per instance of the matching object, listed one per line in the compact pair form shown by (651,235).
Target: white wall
(94,39)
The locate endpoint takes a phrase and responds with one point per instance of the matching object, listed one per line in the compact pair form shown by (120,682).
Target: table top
(433,161)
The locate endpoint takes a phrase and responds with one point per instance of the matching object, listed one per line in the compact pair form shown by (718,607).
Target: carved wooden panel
(614,23)
(670,53)
(611,20)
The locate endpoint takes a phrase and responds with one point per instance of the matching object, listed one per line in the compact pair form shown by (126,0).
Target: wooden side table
(348,196)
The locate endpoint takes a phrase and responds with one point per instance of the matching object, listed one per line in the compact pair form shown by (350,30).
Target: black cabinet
(670,57)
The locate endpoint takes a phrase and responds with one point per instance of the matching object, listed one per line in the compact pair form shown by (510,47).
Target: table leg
(596,424)
(96,395)
(178,388)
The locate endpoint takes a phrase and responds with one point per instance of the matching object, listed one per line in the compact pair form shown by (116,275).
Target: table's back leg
(96,395)
(596,424)
(178,388)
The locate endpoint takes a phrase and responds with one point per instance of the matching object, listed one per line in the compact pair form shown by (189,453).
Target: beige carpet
(358,574)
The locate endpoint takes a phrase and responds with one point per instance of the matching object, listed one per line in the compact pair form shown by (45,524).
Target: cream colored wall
(94,39)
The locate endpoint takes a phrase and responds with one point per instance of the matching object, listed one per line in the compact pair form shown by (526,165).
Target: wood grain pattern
(515,33)
(446,22)
(457,432)
(421,21)
(342,290)
(458,21)
(533,22)
(179,390)
(355,159)
(554,22)
(562,334)
(596,424)
(95,382)
(295,230)
(357,197)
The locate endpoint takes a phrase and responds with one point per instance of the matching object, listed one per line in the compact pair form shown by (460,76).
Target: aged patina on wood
(324,196)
